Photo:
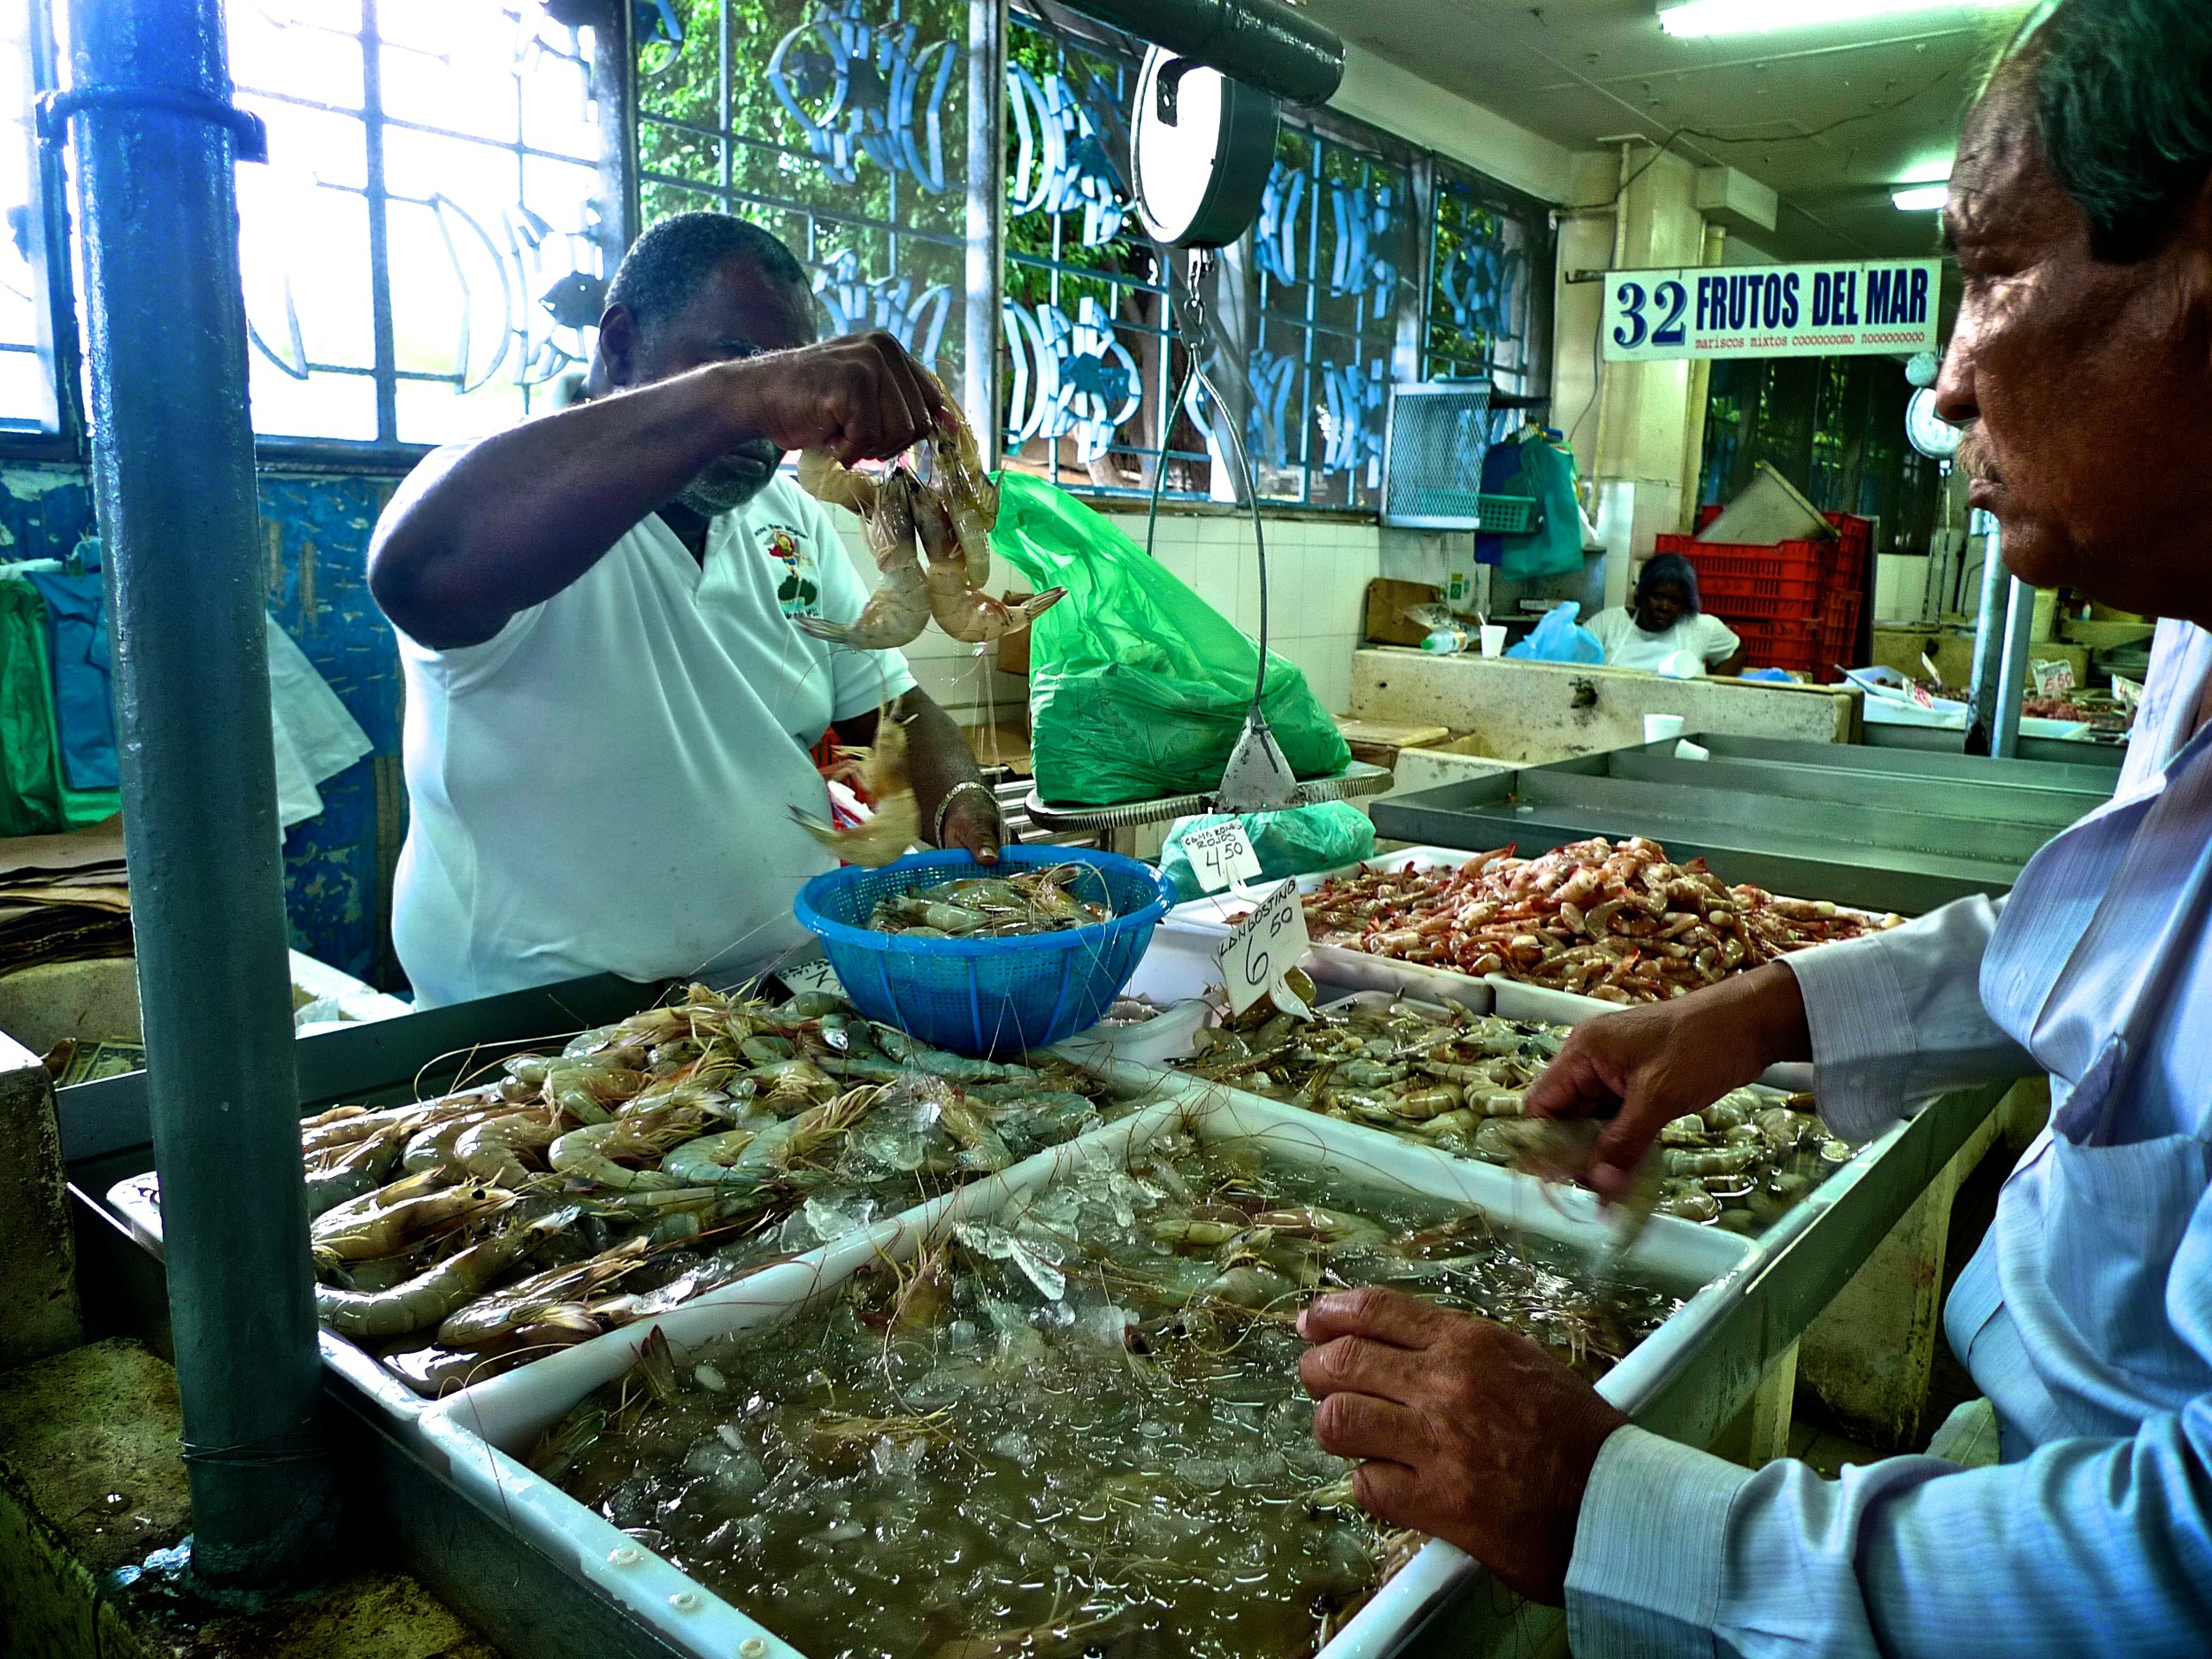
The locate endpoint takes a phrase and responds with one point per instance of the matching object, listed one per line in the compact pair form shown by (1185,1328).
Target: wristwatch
(937,830)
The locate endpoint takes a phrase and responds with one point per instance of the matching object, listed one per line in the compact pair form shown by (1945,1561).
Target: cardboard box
(1387,602)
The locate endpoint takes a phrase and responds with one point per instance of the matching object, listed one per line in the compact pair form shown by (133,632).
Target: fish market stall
(1886,830)
(925,1166)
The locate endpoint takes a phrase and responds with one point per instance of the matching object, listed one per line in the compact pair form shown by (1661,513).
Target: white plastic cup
(1659,727)
(1494,638)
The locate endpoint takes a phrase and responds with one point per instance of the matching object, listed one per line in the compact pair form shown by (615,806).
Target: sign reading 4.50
(1266,946)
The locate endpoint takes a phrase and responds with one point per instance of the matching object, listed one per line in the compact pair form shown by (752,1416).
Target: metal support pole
(1988,637)
(172,469)
(986,223)
(2012,669)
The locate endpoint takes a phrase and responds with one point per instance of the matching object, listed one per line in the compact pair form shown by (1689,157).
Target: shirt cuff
(1650,1548)
(1862,1024)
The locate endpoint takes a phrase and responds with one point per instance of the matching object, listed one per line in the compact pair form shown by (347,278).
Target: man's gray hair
(2122,91)
(664,266)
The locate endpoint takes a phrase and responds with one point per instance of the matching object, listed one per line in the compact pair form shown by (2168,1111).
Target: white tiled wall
(1318,572)
(1318,575)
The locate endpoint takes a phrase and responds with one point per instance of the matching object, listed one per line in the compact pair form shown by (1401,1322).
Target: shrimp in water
(955,599)
(898,610)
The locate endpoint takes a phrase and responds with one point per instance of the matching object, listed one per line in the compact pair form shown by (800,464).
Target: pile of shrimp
(641,1166)
(1614,921)
(1436,1075)
(949,508)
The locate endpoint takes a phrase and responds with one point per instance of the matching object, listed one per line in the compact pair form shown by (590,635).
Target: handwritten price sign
(1266,946)
(1221,855)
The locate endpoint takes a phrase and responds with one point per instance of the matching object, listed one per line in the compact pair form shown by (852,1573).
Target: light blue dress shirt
(2085,1316)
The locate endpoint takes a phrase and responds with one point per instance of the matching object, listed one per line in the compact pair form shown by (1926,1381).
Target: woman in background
(1665,617)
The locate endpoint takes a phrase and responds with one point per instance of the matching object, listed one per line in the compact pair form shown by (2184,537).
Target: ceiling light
(1922,198)
(1697,18)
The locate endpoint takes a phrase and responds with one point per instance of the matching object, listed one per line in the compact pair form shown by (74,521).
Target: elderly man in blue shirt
(2081,211)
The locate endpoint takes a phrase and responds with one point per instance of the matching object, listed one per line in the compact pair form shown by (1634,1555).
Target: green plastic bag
(1137,686)
(1326,835)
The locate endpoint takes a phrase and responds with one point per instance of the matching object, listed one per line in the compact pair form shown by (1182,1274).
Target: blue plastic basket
(980,996)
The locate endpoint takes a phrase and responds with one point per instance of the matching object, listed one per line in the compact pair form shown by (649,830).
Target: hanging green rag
(35,800)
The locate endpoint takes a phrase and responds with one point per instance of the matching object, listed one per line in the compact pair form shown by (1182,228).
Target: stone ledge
(91,1481)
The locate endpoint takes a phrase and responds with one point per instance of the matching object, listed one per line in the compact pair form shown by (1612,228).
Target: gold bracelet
(937,836)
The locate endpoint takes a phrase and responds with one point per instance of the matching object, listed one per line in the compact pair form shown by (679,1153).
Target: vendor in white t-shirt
(608,708)
(1665,617)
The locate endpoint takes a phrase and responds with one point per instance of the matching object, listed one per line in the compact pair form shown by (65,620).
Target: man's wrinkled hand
(1642,1067)
(859,396)
(1466,1431)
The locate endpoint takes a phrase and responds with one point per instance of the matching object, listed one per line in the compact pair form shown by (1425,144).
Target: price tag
(1266,946)
(1928,667)
(1920,694)
(1221,855)
(2052,680)
(816,975)
(2127,691)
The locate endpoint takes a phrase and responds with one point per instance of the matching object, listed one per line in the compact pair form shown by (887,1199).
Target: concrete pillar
(1626,421)
(38,1291)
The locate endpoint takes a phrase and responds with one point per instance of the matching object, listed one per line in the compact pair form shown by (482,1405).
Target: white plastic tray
(134,1199)
(476,1431)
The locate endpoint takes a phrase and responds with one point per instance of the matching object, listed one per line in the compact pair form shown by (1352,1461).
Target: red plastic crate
(1780,644)
(1804,645)
(1780,581)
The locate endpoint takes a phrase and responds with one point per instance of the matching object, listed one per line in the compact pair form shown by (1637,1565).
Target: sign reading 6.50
(1266,946)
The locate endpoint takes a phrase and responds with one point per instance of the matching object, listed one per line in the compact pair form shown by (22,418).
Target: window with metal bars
(839,124)
(425,256)
(1091,363)
(1332,254)
(422,255)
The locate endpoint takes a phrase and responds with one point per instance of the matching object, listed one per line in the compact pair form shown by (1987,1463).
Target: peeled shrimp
(898,610)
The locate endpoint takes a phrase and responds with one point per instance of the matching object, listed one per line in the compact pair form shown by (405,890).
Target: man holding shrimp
(2081,211)
(610,700)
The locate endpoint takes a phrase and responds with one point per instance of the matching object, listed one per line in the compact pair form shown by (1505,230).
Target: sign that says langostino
(1782,311)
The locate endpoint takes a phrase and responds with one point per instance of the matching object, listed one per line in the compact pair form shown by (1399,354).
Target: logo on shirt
(797,589)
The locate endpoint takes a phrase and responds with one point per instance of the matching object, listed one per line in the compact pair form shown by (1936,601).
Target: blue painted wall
(315,537)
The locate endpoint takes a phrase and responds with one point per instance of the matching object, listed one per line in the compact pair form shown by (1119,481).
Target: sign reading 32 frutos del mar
(1778,310)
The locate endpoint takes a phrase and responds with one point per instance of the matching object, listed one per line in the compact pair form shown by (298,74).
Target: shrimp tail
(896,826)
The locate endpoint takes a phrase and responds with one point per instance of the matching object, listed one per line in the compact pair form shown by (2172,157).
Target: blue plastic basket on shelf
(982,996)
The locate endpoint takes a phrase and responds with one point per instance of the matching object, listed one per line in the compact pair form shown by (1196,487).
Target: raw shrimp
(588,1154)
(401,1225)
(507,1314)
(710,1160)
(957,599)
(899,609)
(968,493)
(897,822)
(489,1150)
(430,1297)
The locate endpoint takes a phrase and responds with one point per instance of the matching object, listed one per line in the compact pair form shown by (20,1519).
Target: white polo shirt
(606,784)
(1707,638)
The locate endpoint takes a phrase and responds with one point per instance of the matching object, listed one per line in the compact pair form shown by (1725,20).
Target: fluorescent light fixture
(1698,18)
(1921,198)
